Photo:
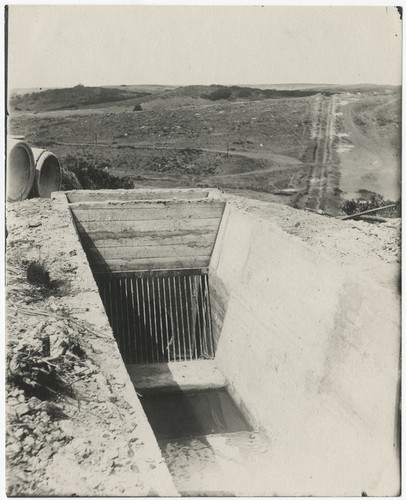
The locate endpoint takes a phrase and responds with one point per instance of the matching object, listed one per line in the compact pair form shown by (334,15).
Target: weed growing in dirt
(43,286)
(38,275)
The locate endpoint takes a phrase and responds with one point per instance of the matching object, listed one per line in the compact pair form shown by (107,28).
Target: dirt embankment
(74,424)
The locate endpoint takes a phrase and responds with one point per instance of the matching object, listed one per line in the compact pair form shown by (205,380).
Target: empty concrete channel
(149,252)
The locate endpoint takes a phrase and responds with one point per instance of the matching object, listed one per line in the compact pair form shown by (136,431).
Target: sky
(62,46)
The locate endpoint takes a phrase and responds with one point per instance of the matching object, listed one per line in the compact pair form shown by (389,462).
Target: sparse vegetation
(369,202)
(82,175)
(195,134)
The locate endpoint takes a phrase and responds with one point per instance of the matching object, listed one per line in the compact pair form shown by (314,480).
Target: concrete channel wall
(310,349)
(124,234)
(149,474)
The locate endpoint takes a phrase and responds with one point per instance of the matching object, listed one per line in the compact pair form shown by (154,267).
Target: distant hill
(80,97)
(329,87)
(71,98)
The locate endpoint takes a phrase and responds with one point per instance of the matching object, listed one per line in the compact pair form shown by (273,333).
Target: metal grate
(159,316)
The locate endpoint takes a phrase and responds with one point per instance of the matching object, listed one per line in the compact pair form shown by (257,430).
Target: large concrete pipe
(20,171)
(48,173)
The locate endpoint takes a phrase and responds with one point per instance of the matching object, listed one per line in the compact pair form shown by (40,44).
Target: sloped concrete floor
(232,464)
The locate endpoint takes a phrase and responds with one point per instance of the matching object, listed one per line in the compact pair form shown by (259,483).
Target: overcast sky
(56,46)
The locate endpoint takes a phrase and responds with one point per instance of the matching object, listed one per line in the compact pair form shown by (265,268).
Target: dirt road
(324,164)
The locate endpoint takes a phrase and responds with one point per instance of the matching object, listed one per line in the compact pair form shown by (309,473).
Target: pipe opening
(48,176)
(20,172)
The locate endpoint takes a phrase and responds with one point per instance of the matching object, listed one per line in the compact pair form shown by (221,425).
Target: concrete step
(185,376)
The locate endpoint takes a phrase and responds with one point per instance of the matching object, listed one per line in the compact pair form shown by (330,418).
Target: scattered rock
(22,409)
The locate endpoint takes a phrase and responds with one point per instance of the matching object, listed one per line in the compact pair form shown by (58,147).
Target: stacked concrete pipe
(31,171)
(20,170)
(48,174)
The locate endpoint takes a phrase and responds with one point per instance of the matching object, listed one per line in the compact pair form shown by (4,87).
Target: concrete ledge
(184,376)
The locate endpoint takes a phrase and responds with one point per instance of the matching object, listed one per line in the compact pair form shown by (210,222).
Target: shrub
(91,177)
(38,275)
(374,200)
(221,93)
(69,180)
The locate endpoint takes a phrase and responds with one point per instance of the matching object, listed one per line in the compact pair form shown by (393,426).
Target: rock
(19,433)
(33,224)
(44,417)
(34,402)
(45,453)
(22,409)
(14,448)
(28,442)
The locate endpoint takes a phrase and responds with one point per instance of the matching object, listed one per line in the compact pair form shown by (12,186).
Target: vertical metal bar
(150,332)
(166,317)
(155,321)
(196,280)
(116,309)
(123,303)
(134,353)
(177,319)
(139,341)
(194,337)
(182,318)
(121,316)
(187,316)
(172,319)
(171,326)
(110,303)
(206,278)
(201,278)
(128,302)
(161,331)
(144,330)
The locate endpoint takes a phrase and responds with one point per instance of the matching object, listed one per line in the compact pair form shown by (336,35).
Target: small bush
(38,275)
(69,180)
(221,93)
(373,200)
(91,177)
